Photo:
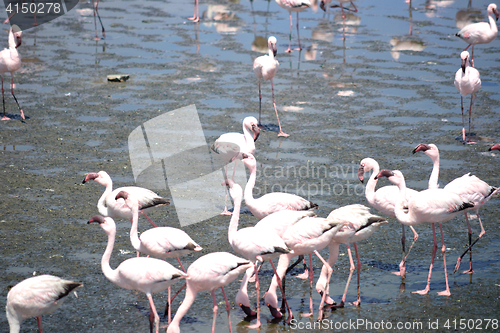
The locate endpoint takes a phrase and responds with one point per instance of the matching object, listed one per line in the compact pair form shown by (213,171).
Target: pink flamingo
(95,3)
(36,296)
(469,187)
(209,272)
(230,145)
(306,236)
(359,225)
(494,147)
(384,200)
(265,67)
(431,206)
(294,6)
(253,244)
(163,242)
(324,3)
(467,82)
(481,32)
(109,206)
(148,275)
(10,61)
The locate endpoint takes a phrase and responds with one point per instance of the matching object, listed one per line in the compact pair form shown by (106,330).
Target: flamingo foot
(341,305)
(303,276)
(22,114)
(289,50)
(421,292)
(5,118)
(254,326)
(307,314)
(469,271)
(274,312)
(226,212)
(444,293)
(194,19)
(328,299)
(356,303)
(283,134)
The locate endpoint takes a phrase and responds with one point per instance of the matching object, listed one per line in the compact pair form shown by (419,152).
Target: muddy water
(340,102)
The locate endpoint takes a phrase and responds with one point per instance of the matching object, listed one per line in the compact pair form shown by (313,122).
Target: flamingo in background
(163,242)
(148,275)
(36,296)
(209,272)
(481,32)
(431,206)
(467,82)
(294,6)
(109,206)
(359,225)
(95,3)
(253,244)
(324,4)
(384,200)
(265,67)
(230,145)
(469,187)
(10,61)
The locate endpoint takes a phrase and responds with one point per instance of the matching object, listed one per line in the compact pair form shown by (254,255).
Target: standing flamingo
(230,145)
(469,187)
(95,3)
(36,296)
(359,225)
(109,206)
(294,6)
(384,200)
(431,206)
(209,272)
(265,67)
(253,244)
(163,242)
(324,4)
(148,275)
(481,32)
(10,61)
(196,13)
(467,82)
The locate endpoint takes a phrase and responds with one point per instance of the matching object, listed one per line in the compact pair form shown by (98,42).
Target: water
(340,102)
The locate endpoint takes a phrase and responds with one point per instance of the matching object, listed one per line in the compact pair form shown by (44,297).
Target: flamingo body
(10,61)
(481,32)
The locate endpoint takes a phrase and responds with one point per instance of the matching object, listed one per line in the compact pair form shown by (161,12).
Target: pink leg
(260,104)
(96,13)
(39,322)
(12,91)
(225,211)
(443,251)
(470,116)
(278,280)
(281,133)
(358,268)
(290,38)
(305,275)
(330,271)
(457,266)
(216,308)
(342,303)
(310,293)
(228,309)
(257,287)
(434,249)
(402,264)
(153,310)
(169,307)
(298,34)
(3,100)
(170,300)
(196,13)
(463,119)
(150,221)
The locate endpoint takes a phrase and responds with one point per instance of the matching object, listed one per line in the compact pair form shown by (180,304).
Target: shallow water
(340,102)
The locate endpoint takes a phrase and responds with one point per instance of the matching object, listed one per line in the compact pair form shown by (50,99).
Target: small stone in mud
(118,77)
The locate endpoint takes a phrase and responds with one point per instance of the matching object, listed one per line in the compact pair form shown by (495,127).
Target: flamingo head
(365,165)
(249,160)
(492,8)
(495,147)
(465,60)
(384,173)
(101,177)
(106,223)
(122,195)
(395,176)
(361,173)
(129,199)
(234,189)
(17,32)
(252,125)
(271,44)
(430,150)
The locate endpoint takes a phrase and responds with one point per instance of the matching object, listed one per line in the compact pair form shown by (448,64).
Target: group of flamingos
(288,227)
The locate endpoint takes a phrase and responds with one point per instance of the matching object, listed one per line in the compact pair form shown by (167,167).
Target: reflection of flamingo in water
(406,43)
(325,3)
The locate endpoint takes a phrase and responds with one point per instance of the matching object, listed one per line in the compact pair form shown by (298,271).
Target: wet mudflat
(387,89)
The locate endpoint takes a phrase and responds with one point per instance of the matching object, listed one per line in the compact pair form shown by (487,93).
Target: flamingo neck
(493,23)
(242,295)
(248,195)
(182,310)
(109,273)
(402,216)
(250,143)
(371,184)
(433,179)
(134,234)
(14,320)
(101,204)
(233,224)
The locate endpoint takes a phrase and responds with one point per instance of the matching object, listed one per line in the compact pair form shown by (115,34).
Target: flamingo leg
(278,280)
(228,309)
(39,319)
(310,293)
(403,238)
(225,211)
(434,249)
(257,287)
(463,118)
(167,307)
(260,105)
(289,50)
(281,133)
(358,268)
(196,13)
(298,34)
(150,221)
(402,264)
(3,100)
(330,271)
(457,266)
(443,251)
(470,116)
(216,308)
(155,314)
(342,303)
(170,307)
(96,13)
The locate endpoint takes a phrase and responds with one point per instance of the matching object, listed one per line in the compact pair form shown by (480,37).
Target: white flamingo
(36,296)
(10,61)
(109,206)
(294,6)
(467,82)
(431,206)
(209,272)
(148,275)
(265,67)
(481,32)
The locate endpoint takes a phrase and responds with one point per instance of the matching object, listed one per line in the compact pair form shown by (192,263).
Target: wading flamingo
(294,6)
(431,206)
(36,296)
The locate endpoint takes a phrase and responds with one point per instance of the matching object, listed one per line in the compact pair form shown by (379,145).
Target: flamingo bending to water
(209,272)
(431,206)
(467,82)
(108,205)
(36,296)
(148,275)
(294,6)
(265,67)
(10,61)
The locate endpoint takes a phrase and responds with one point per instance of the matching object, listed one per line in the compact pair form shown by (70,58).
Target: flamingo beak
(256,132)
(90,176)
(361,173)
(274,312)
(494,147)
(322,6)
(96,219)
(384,173)
(464,63)
(249,312)
(275,50)
(421,147)
(497,14)
(19,40)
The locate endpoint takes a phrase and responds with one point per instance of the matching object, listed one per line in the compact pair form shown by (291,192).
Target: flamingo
(468,187)
(95,3)
(229,145)
(481,32)
(36,296)
(359,225)
(467,82)
(294,6)
(306,236)
(265,67)
(494,147)
(163,242)
(432,206)
(10,61)
(148,275)
(384,200)
(324,3)
(253,244)
(109,206)
(209,272)
(196,13)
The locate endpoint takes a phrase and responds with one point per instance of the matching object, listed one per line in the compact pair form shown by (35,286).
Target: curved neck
(182,310)
(433,179)
(493,22)
(101,204)
(14,321)
(134,234)
(109,273)
(249,199)
(233,224)
(248,134)
(402,216)
(371,184)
